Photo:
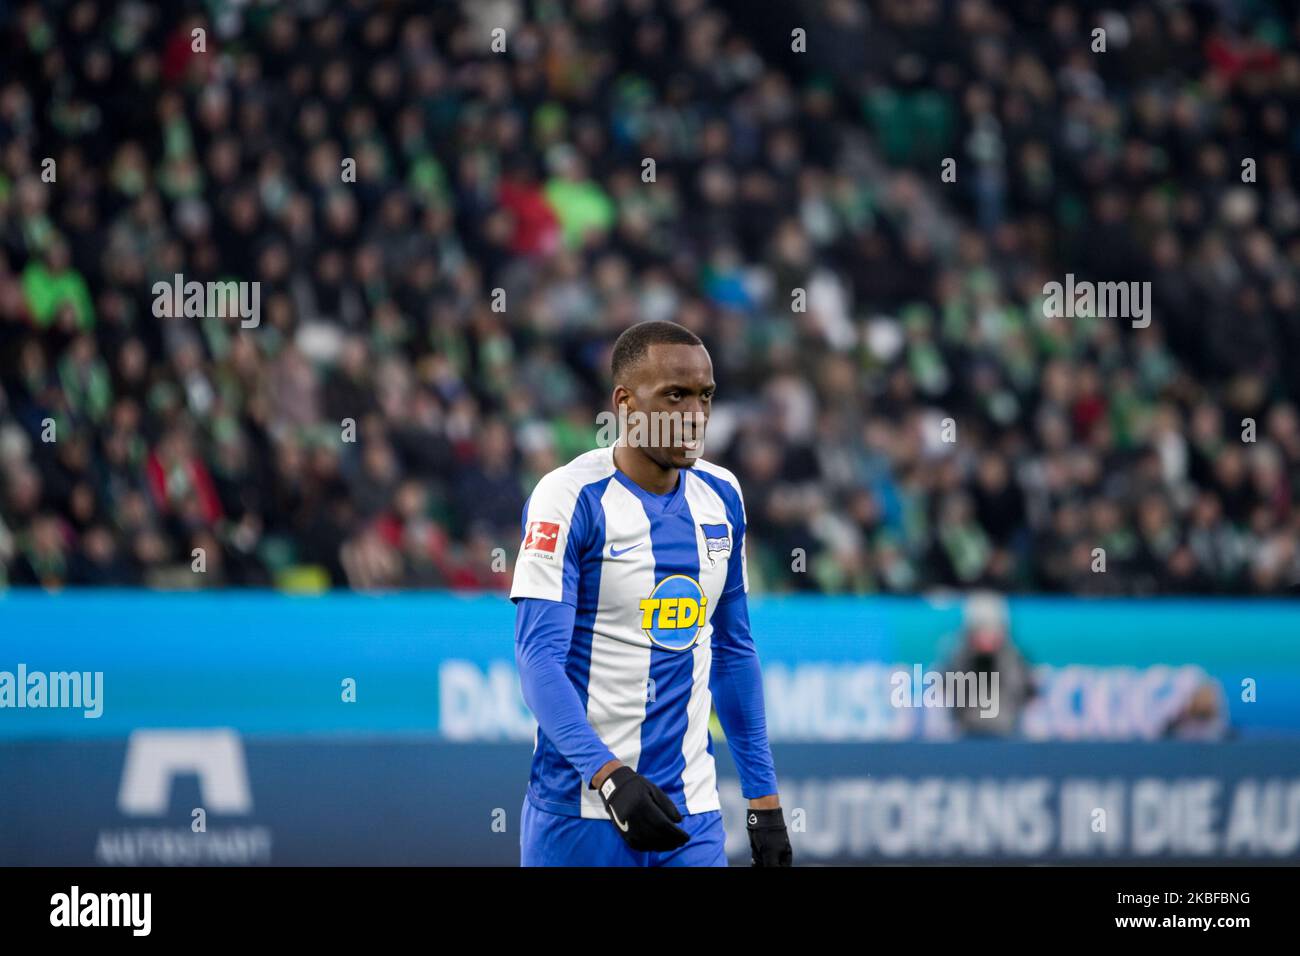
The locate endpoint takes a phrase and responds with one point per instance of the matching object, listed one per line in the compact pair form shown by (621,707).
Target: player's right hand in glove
(641,812)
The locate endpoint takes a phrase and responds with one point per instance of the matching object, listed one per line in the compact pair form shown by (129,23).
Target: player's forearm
(737,695)
(543,630)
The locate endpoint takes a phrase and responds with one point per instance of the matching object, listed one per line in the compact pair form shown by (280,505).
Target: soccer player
(631,621)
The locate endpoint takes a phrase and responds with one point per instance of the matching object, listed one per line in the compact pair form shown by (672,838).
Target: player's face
(675,381)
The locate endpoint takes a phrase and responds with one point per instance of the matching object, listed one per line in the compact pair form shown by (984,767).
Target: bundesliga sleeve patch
(542,536)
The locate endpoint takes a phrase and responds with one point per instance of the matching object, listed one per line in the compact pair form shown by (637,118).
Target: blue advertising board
(443,665)
(212,798)
(257,728)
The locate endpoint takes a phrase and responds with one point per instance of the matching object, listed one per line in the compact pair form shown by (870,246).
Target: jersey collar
(658,504)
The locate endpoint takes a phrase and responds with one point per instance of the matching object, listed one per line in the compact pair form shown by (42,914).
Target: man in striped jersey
(631,622)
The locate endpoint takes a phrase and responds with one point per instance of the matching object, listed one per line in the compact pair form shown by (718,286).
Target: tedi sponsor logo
(72,689)
(196,300)
(1102,300)
(103,909)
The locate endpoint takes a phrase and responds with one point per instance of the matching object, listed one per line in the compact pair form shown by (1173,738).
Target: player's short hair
(632,345)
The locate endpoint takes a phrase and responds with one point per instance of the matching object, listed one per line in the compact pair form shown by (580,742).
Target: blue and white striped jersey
(644,576)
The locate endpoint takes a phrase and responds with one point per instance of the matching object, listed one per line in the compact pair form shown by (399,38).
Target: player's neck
(648,475)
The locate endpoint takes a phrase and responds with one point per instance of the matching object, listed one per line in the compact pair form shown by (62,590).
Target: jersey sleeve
(736,682)
(543,633)
(737,582)
(555,530)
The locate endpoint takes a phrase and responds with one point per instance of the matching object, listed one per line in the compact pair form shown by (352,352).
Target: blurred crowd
(434,336)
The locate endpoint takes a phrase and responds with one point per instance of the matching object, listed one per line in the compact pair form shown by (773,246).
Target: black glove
(641,812)
(769,844)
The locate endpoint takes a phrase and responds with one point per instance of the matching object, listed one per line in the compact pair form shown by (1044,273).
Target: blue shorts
(552,839)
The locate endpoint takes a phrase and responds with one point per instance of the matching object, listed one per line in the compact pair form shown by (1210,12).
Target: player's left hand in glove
(642,813)
(769,844)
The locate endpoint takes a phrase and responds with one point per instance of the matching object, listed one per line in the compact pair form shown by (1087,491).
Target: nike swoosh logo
(615,552)
(617,822)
